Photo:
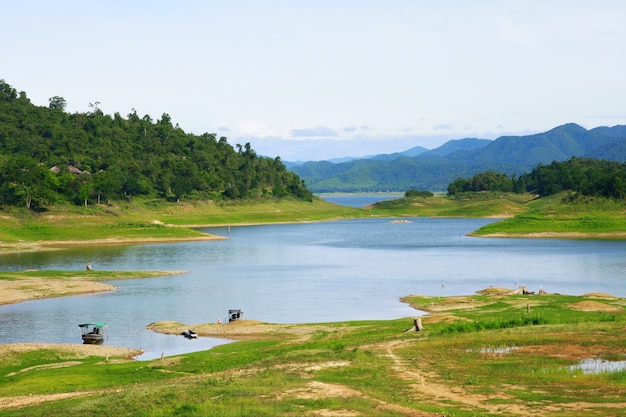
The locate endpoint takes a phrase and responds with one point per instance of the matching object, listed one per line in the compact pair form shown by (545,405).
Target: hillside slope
(435,169)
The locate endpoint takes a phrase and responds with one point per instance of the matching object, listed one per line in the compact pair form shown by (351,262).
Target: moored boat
(93,333)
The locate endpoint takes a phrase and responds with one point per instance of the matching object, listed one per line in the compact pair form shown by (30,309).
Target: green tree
(57,103)
(24,182)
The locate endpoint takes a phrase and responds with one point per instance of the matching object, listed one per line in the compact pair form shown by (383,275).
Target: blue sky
(321,79)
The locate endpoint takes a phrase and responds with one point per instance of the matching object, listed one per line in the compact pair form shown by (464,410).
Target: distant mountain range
(434,170)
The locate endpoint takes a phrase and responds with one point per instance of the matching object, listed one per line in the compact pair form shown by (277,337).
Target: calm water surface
(347,270)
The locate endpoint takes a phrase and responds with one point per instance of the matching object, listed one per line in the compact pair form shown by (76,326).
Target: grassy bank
(556,216)
(470,205)
(482,355)
(148,220)
(522,215)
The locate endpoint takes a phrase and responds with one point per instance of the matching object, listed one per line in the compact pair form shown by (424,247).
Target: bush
(418,193)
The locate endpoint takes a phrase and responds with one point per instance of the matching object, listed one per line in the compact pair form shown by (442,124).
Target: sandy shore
(33,289)
(557,235)
(238,330)
(75,351)
(25,287)
(60,244)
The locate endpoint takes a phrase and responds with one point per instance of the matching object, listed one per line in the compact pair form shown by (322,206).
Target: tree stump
(418,324)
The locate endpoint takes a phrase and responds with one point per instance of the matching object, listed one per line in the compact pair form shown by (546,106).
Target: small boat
(93,333)
(190,334)
(234,315)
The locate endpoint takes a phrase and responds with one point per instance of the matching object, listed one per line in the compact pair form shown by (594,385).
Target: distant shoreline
(48,245)
(555,235)
(23,287)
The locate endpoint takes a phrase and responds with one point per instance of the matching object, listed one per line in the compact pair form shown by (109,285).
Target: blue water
(295,273)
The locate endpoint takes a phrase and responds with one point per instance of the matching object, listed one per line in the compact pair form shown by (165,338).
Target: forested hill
(434,170)
(48,155)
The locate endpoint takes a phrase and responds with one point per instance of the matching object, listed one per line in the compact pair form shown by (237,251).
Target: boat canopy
(98,325)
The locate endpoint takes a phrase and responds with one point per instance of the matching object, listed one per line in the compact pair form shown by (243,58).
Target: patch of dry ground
(128,241)
(35,288)
(29,400)
(241,329)
(75,351)
(594,306)
(317,390)
(559,235)
(24,287)
(427,389)
(39,246)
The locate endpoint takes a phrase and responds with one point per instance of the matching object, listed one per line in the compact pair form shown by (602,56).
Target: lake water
(295,273)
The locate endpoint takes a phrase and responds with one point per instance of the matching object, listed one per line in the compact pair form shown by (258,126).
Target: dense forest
(583,176)
(49,156)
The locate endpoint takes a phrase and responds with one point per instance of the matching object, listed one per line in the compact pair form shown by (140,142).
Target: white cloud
(318,131)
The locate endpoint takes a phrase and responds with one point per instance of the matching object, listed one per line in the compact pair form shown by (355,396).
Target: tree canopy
(584,176)
(48,155)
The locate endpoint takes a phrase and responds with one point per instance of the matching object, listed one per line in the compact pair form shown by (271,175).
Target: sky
(321,79)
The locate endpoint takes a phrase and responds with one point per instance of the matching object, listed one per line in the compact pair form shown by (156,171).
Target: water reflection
(597,366)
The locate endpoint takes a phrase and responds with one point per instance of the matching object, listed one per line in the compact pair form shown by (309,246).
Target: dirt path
(425,389)
(28,400)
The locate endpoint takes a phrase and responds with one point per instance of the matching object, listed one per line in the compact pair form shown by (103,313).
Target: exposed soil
(75,351)
(27,288)
(35,288)
(60,244)
(240,329)
(559,235)
(594,306)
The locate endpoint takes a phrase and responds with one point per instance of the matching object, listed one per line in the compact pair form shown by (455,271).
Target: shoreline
(617,235)
(51,245)
(30,288)
(247,330)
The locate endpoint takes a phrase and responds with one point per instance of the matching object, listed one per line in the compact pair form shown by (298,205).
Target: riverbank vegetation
(498,353)
(148,220)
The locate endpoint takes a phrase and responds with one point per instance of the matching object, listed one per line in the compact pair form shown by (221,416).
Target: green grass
(470,205)
(555,214)
(149,219)
(79,275)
